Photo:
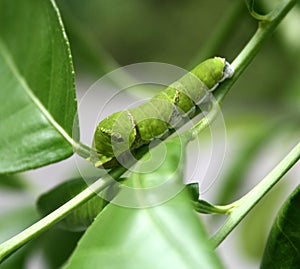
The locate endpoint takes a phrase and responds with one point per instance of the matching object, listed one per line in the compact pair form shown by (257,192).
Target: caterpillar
(130,129)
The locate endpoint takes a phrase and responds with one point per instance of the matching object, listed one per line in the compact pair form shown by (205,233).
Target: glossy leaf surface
(283,246)
(166,235)
(38,104)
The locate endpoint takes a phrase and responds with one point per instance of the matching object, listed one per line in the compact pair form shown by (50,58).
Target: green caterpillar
(168,110)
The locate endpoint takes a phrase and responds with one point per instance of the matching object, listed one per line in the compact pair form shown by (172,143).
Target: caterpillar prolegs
(130,129)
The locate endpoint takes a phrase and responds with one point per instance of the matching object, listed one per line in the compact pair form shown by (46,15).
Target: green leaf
(57,254)
(11,223)
(37,86)
(283,246)
(89,55)
(18,260)
(82,216)
(14,221)
(166,235)
(13,182)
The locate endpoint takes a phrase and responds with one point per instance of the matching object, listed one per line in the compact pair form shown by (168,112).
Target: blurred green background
(105,34)
(261,111)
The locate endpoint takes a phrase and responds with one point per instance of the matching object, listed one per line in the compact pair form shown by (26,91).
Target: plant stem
(241,62)
(82,150)
(247,202)
(11,245)
(244,205)
(265,29)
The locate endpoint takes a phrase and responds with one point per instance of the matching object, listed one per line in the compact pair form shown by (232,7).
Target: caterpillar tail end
(228,70)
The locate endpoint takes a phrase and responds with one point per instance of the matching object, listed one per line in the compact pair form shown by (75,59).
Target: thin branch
(247,202)
(11,245)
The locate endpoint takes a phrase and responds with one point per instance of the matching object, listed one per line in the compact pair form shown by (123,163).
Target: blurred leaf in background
(106,33)
(12,182)
(11,223)
(137,31)
(80,218)
(57,245)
